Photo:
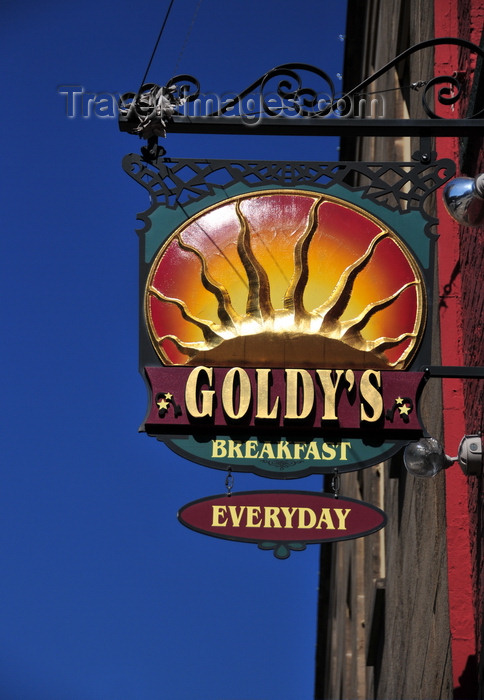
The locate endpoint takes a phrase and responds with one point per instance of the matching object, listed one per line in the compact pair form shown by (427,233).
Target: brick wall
(471,19)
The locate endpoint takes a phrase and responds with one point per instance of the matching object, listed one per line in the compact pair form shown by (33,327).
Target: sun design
(285,278)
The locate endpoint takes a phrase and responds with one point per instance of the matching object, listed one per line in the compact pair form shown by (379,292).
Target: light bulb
(464,200)
(425,457)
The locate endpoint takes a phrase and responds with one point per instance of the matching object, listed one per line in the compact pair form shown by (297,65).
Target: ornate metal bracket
(172,182)
(291,99)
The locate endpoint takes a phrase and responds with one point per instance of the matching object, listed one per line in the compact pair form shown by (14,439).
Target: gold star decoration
(404,410)
(162,404)
(399,401)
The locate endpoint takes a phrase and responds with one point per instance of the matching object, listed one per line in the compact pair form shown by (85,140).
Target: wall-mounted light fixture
(426,457)
(464,200)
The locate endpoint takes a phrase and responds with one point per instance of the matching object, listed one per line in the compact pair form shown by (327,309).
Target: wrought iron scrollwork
(299,89)
(294,92)
(446,95)
(186,87)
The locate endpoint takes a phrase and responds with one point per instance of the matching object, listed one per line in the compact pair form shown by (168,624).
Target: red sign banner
(282,520)
(184,398)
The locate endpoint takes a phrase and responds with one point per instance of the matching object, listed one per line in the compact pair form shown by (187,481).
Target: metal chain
(229,482)
(335,483)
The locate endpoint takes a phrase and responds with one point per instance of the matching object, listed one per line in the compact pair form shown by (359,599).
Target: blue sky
(105,596)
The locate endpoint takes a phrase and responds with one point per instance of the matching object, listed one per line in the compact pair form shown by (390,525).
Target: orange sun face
(285,277)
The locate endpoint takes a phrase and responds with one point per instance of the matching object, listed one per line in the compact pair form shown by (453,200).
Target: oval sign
(282,520)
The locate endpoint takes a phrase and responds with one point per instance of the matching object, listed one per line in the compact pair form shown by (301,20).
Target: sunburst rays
(212,316)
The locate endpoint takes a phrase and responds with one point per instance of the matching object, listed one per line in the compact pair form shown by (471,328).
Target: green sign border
(358,454)
(410,226)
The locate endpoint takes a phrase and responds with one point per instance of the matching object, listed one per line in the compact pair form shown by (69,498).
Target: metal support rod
(454,372)
(309,95)
(309,126)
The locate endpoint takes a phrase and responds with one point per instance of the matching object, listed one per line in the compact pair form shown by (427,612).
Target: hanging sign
(282,521)
(280,313)
(186,399)
(282,456)
(285,279)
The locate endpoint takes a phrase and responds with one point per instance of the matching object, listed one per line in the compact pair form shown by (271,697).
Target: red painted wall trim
(461,608)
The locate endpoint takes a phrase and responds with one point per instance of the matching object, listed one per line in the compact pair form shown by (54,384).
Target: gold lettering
(302,518)
(263,376)
(283,447)
(294,379)
(222,448)
(329,391)
(343,447)
(370,394)
(235,450)
(253,512)
(288,515)
(325,518)
(342,515)
(191,403)
(218,512)
(270,516)
(298,448)
(267,451)
(312,452)
(245,393)
(233,514)
(350,378)
(328,451)
(218,448)
(250,446)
